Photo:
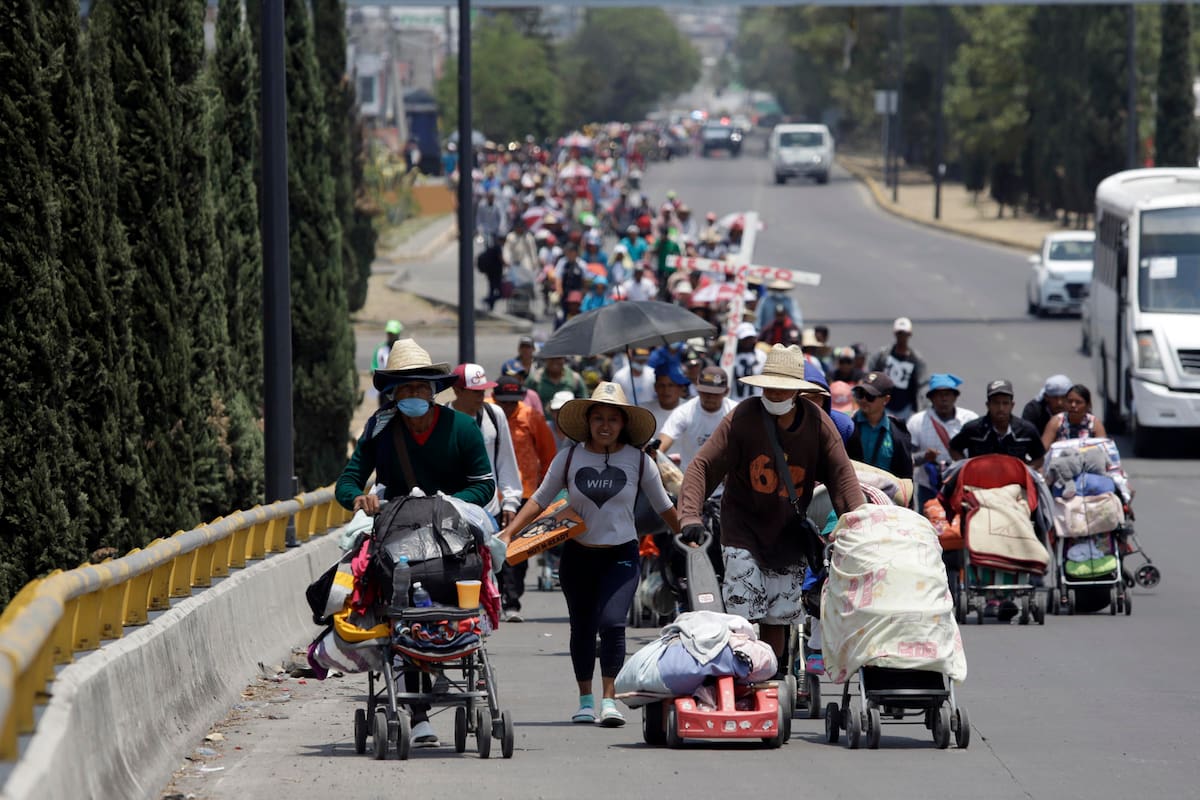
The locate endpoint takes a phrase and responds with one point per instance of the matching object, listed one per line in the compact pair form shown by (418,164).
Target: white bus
(1144,305)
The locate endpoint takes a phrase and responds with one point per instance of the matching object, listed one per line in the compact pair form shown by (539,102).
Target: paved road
(1085,707)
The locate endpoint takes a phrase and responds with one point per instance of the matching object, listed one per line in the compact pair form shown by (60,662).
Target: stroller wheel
(403,736)
(1054,601)
(1147,576)
(483,733)
(941,727)
(814,695)
(1128,604)
(832,731)
(379,737)
(653,732)
(1071,602)
(508,735)
(360,731)
(460,729)
(874,728)
(853,727)
(962,728)
(1114,601)
(673,738)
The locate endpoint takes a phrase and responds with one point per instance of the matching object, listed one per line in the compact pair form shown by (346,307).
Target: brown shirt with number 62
(755,509)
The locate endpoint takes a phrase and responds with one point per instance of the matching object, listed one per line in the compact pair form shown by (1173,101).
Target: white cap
(902,325)
(746,329)
(560,399)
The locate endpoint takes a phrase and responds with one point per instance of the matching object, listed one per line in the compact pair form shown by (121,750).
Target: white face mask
(780,408)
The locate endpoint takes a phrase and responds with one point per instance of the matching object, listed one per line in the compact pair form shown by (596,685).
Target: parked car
(801,151)
(1061,274)
(720,137)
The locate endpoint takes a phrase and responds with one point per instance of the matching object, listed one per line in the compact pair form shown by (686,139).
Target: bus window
(1169,260)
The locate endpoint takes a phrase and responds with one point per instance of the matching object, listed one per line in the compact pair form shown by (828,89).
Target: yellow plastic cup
(468,593)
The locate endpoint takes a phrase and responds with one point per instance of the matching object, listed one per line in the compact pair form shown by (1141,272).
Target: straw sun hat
(784,370)
(408,361)
(572,418)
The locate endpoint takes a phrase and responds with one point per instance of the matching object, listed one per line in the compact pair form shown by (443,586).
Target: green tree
(1175,142)
(622,61)
(235,148)
(1105,121)
(514,91)
(324,380)
(341,112)
(987,96)
(148,132)
(38,532)
(96,371)
(116,274)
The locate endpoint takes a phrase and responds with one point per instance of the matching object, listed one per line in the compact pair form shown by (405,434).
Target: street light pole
(466,199)
(277,295)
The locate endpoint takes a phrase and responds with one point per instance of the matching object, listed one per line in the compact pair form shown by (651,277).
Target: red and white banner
(729,267)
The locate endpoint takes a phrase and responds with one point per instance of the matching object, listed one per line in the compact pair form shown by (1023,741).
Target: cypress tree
(36,529)
(358,243)
(148,134)
(1175,141)
(324,381)
(1104,123)
(235,142)
(96,371)
(208,424)
(114,259)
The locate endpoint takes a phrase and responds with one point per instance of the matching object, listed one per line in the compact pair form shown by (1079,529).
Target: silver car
(1061,274)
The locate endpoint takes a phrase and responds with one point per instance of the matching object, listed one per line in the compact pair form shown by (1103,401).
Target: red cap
(472,376)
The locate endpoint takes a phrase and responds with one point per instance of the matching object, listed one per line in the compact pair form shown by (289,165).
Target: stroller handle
(687,548)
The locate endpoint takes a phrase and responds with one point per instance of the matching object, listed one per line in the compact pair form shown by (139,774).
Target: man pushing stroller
(766,541)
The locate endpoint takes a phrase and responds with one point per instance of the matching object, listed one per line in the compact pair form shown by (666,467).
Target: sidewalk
(962,212)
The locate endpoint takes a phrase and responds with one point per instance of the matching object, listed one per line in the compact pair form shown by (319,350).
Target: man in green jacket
(411,442)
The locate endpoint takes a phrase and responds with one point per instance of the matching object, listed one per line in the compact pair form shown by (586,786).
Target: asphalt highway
(1087,706)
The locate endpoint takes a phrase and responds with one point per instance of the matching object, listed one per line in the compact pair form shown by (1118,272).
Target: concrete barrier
(121,716)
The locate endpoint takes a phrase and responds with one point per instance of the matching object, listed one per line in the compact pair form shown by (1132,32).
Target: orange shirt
(533,444)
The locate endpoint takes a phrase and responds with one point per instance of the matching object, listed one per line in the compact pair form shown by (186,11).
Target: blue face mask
(413,407)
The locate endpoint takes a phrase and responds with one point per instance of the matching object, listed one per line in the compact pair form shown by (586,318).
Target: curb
(169,681)
(438,243)
(885,205)
(514,324)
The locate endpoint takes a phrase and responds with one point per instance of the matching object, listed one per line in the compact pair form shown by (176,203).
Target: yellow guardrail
(54,617)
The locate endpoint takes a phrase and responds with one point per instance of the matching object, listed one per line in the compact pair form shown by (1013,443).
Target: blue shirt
(870,440)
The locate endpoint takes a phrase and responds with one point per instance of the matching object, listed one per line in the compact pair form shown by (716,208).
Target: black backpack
(441,546)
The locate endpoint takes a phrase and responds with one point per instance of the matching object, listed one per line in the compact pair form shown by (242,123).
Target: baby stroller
(518,291)
(442,646)
(886,615)
(1093,528)
(1004,536)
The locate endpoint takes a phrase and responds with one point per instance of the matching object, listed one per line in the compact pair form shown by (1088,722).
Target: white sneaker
(423,735)
(513,616)
(586,715)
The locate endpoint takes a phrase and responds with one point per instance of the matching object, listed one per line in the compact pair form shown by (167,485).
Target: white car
(801,151)
(1061,274)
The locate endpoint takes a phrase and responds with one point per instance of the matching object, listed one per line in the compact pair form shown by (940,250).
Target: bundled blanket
(999,532)
(886,602)
(697,646)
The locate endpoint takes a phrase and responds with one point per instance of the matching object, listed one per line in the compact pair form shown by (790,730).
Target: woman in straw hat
(603,473)
(412,443)
(764,541)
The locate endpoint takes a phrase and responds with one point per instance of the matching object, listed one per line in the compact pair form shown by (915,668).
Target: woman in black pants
(603,474)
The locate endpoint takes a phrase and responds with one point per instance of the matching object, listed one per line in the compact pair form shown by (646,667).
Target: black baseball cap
(1000,386)
(876,384)
(508,388)
(713,380)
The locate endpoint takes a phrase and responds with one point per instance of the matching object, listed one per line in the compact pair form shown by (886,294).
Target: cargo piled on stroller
(887,616)
(438,650)
(1093,528)
(1004,512)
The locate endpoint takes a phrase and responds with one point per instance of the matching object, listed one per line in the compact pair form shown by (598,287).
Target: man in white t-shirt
(670,389)
(931,431)
(636,379)
(690,425)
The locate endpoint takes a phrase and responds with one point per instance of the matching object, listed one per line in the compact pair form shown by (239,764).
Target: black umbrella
(623,325)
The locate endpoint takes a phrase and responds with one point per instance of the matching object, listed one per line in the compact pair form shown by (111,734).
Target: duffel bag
(441,546)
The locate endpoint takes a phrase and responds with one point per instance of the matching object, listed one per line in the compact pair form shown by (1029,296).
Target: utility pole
(939,168)
(895,128)
(1131,126)
(466,199)
(280,481)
